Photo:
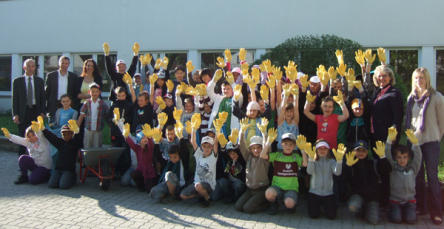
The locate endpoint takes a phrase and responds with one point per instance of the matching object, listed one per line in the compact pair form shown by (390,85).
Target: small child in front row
(205,174)
(94,110)
(322,167)
(39,160)
(403,177)
(172,179)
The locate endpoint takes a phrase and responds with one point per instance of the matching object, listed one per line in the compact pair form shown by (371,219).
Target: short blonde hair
(384,69)
(427,77)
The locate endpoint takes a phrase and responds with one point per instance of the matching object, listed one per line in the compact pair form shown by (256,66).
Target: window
(175,59)
(235,62)
(77,62)
(208,60)
(440,70)
(5,73)
(404,62)
(103,72)
(36,59)
(51,63)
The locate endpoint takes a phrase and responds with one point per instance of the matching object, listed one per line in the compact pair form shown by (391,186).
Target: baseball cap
(120,62)
(207,139)
(289,136)
(236,69)
(65,128)
(256,140)
(94,85)
(230,146)
(168,96)
(161,74)
(322,144)
(357,103)
(360,144)
(315,79)
(253,105)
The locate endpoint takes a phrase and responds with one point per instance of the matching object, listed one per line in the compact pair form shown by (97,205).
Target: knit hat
(256,140)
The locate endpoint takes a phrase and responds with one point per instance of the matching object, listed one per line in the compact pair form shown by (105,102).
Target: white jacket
(39,150)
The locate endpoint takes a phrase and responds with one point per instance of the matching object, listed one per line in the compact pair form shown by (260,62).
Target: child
(95,110)
(322,168)
(142,113)
(172,179)
(403,177)
(256,177)
(205,174)
(144,175)
(138,85)
(164,146)
(39,160)
(284,187)
(288,119)
(358,125)
(362,174)
(327,123)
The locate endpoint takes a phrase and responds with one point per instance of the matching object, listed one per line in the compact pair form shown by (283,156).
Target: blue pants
(228,189)
(430,156)
(406,211)
(62,179)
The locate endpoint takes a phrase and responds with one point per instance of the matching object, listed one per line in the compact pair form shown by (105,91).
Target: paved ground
(85,206)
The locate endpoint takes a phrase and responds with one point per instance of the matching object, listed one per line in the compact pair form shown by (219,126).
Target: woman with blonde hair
(424,114)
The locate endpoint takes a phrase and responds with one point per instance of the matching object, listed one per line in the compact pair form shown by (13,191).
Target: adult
(58,83)
(116,73)
(424,114)
(28,99)
(90,74)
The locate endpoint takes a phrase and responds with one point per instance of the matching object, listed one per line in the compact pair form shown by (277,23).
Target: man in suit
(28,99)
(58,83)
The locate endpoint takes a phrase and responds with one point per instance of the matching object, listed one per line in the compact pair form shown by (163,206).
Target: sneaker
(437,220)
(21,179)
(273,209)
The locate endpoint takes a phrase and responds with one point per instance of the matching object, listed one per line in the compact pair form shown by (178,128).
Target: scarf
(410,103)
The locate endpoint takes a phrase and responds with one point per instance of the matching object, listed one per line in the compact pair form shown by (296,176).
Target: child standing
(288,118)
(94,110)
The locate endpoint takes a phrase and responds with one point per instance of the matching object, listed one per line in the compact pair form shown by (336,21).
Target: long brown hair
(95,72)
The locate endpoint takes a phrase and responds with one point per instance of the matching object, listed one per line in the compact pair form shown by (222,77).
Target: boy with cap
(285,185)
(256,177)
(358,124)
(362,175)
(306,126)
(94,110)
(205,174)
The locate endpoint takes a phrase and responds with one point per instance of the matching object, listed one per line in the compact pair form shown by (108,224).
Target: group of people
(258,136)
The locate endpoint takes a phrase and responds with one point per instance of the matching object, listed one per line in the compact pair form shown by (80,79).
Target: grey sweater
(402,180)
(256,168)
(321,171)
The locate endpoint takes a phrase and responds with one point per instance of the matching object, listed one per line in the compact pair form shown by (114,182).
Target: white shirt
(205,168)
(63,84)
(39,151)
(32,85)
(94,113)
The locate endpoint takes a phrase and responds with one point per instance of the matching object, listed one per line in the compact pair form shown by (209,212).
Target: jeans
(229,189)
(406,211)
(369,209)
(126,179)
(63,179)
(38,174)
(430,156)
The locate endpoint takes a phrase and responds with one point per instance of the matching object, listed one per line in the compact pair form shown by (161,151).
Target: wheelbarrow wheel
(105,184)
(105,168)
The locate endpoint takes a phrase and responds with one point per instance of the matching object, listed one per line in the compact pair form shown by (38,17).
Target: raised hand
(272,134)
(177,114)
(360,57)
(339,98)
(158,63)
(341,69)
(220,62)
(153,79)
(147,131)
(265,92)
(340,152)
(106,48)
(201,89)
(411,136)
(190,66)
(304,81)
(244,125)
(227,53)
(310,151)
(379,149)
(217,75)
(72,124)
(351,159)
(234,136)
(170,85)
(294,89)
(223,116)
(127,79)
(310,98)
(381,56)
(188,127)
(271,81)
(332,73)
(195,121)
(162,118)
(126,130)
(339,56)
(263,126)
(165,62)
(242,54)
(157,135)
(391,134)
(116,113)
(300,142)
(229,77)
(136,48)
(160,102)
(369,57)
(178,130)
(41,123)
(6,132)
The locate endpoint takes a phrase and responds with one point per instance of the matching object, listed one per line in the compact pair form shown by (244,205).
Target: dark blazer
(19,91)
(51,90)
(117,78)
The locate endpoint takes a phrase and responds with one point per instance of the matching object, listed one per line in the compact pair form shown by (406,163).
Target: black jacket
(51,90)
(117,78)
(66,151)
(19,91)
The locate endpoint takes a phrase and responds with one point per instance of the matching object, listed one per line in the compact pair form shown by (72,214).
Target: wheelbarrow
(100,162)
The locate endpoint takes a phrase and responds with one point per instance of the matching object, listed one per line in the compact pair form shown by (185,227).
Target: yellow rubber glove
(223,116)
(265,92)
(350,75)
(277,73)
(340,152)
(310,98)
(310,151)
(220,62)
(177,114)
(127,79)
(320,70)
(217,75)
(272,135)
(162,118)
(341,69)
(339,56)
(72,124)
(294,89)
(180,89)
(332,73)
(170,85)
(339,98)
(157,135)
(300,142)
(147,59)
(147,131)
(160,102)
(411,136)
(286,89)
(188,127)
(271,81)
(191,91)
(357,84)
(324,77)
(6,132)
(106,48)
(266,66)
(35,126)
(244,69)
(262,126)
(218,125)
(360,57)
(158,63)
(41,123)
(190,66)
(304,81)
(234,136)
(165,62)
(178,130)
(153,79)
(116,113)
(381,56)
(237,92)
(228,57)
(195,121)
(391,134)
(229,77)
(256,74)
(369,57)
(351,159)
(126,130)
(136,48)
(222,140)
(242,54)
(379,149)
(201,89)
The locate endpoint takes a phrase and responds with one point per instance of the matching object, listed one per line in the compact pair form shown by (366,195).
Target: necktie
(30,93)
